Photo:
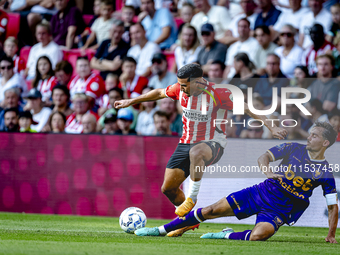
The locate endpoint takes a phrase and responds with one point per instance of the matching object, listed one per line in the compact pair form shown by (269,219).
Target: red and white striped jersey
(92,86)
(73,126)
(45,87)
(310,54)
(196,126)
(104,102)
(19,64)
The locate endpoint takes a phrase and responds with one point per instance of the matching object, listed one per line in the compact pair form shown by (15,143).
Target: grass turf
(52,234)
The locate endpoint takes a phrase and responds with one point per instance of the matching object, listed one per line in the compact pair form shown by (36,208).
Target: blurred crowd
(122,50)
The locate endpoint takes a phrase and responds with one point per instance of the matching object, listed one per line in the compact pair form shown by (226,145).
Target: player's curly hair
(190,71)
(328,133)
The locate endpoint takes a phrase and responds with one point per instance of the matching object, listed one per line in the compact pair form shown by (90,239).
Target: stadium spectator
(217,16)
(300,126)
(130,82)
(96,11)
(291,16)
(336,54)
(114,95)
(9,79)
(268,15)
(100,30)
(57,122)
(110,53)
(335,27)
(11,117)
(273,78)
(87,31)
(63,72)
(245,44)
(248,7)
(145,122)
(111,82)
(128,13)
(60,99)
(319,47)
(11,50)
(25,122)
(187,51)
(170,107)
(89,122)
(316,15)
(187,12)
(325,88)
(11,100)
(159,24)
(216,70)
(44,79)
(86,81)
(142,51)
(290,53)
(314,106)
(45,47)
(212,50)
(301,80)
(124,121)
(254,131)
(266,46)
(162,77)
(40,113)
(110,124)
(66,24)
(162,124)
(81,106)
(334,120)
(244,76)
(38,10)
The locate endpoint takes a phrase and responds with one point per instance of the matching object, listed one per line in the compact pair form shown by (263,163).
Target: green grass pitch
(51,234)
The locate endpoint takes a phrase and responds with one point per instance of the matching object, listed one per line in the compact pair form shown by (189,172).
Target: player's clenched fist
(123,103)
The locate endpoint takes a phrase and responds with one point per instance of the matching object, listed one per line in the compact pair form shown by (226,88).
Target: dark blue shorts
(181,158)
(260,201)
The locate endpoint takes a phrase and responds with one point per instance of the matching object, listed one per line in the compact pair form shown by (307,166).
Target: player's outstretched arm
(333,216)
(152,95)
(277,132)
(263,162)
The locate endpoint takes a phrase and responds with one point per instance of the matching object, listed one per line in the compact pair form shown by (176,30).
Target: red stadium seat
(178,21)
(119,4)
(13,25)
(170,57)
(72,56)
(25,51)
(87,18)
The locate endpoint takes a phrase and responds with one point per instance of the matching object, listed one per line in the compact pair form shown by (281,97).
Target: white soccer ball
(131,219)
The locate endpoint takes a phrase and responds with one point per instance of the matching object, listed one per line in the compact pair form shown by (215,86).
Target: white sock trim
(227,236)
(245,238)
(194,188)
(162,230)
(197,218)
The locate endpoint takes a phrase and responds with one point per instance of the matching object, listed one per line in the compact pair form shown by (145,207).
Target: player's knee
(196,154)
(260,235)
(168,192)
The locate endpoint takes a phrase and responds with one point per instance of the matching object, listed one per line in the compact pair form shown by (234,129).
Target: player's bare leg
(262,231)
(199,154)
(173,178)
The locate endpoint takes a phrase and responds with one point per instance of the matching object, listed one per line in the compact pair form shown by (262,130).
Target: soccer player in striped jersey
(203,142)
(281,199)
